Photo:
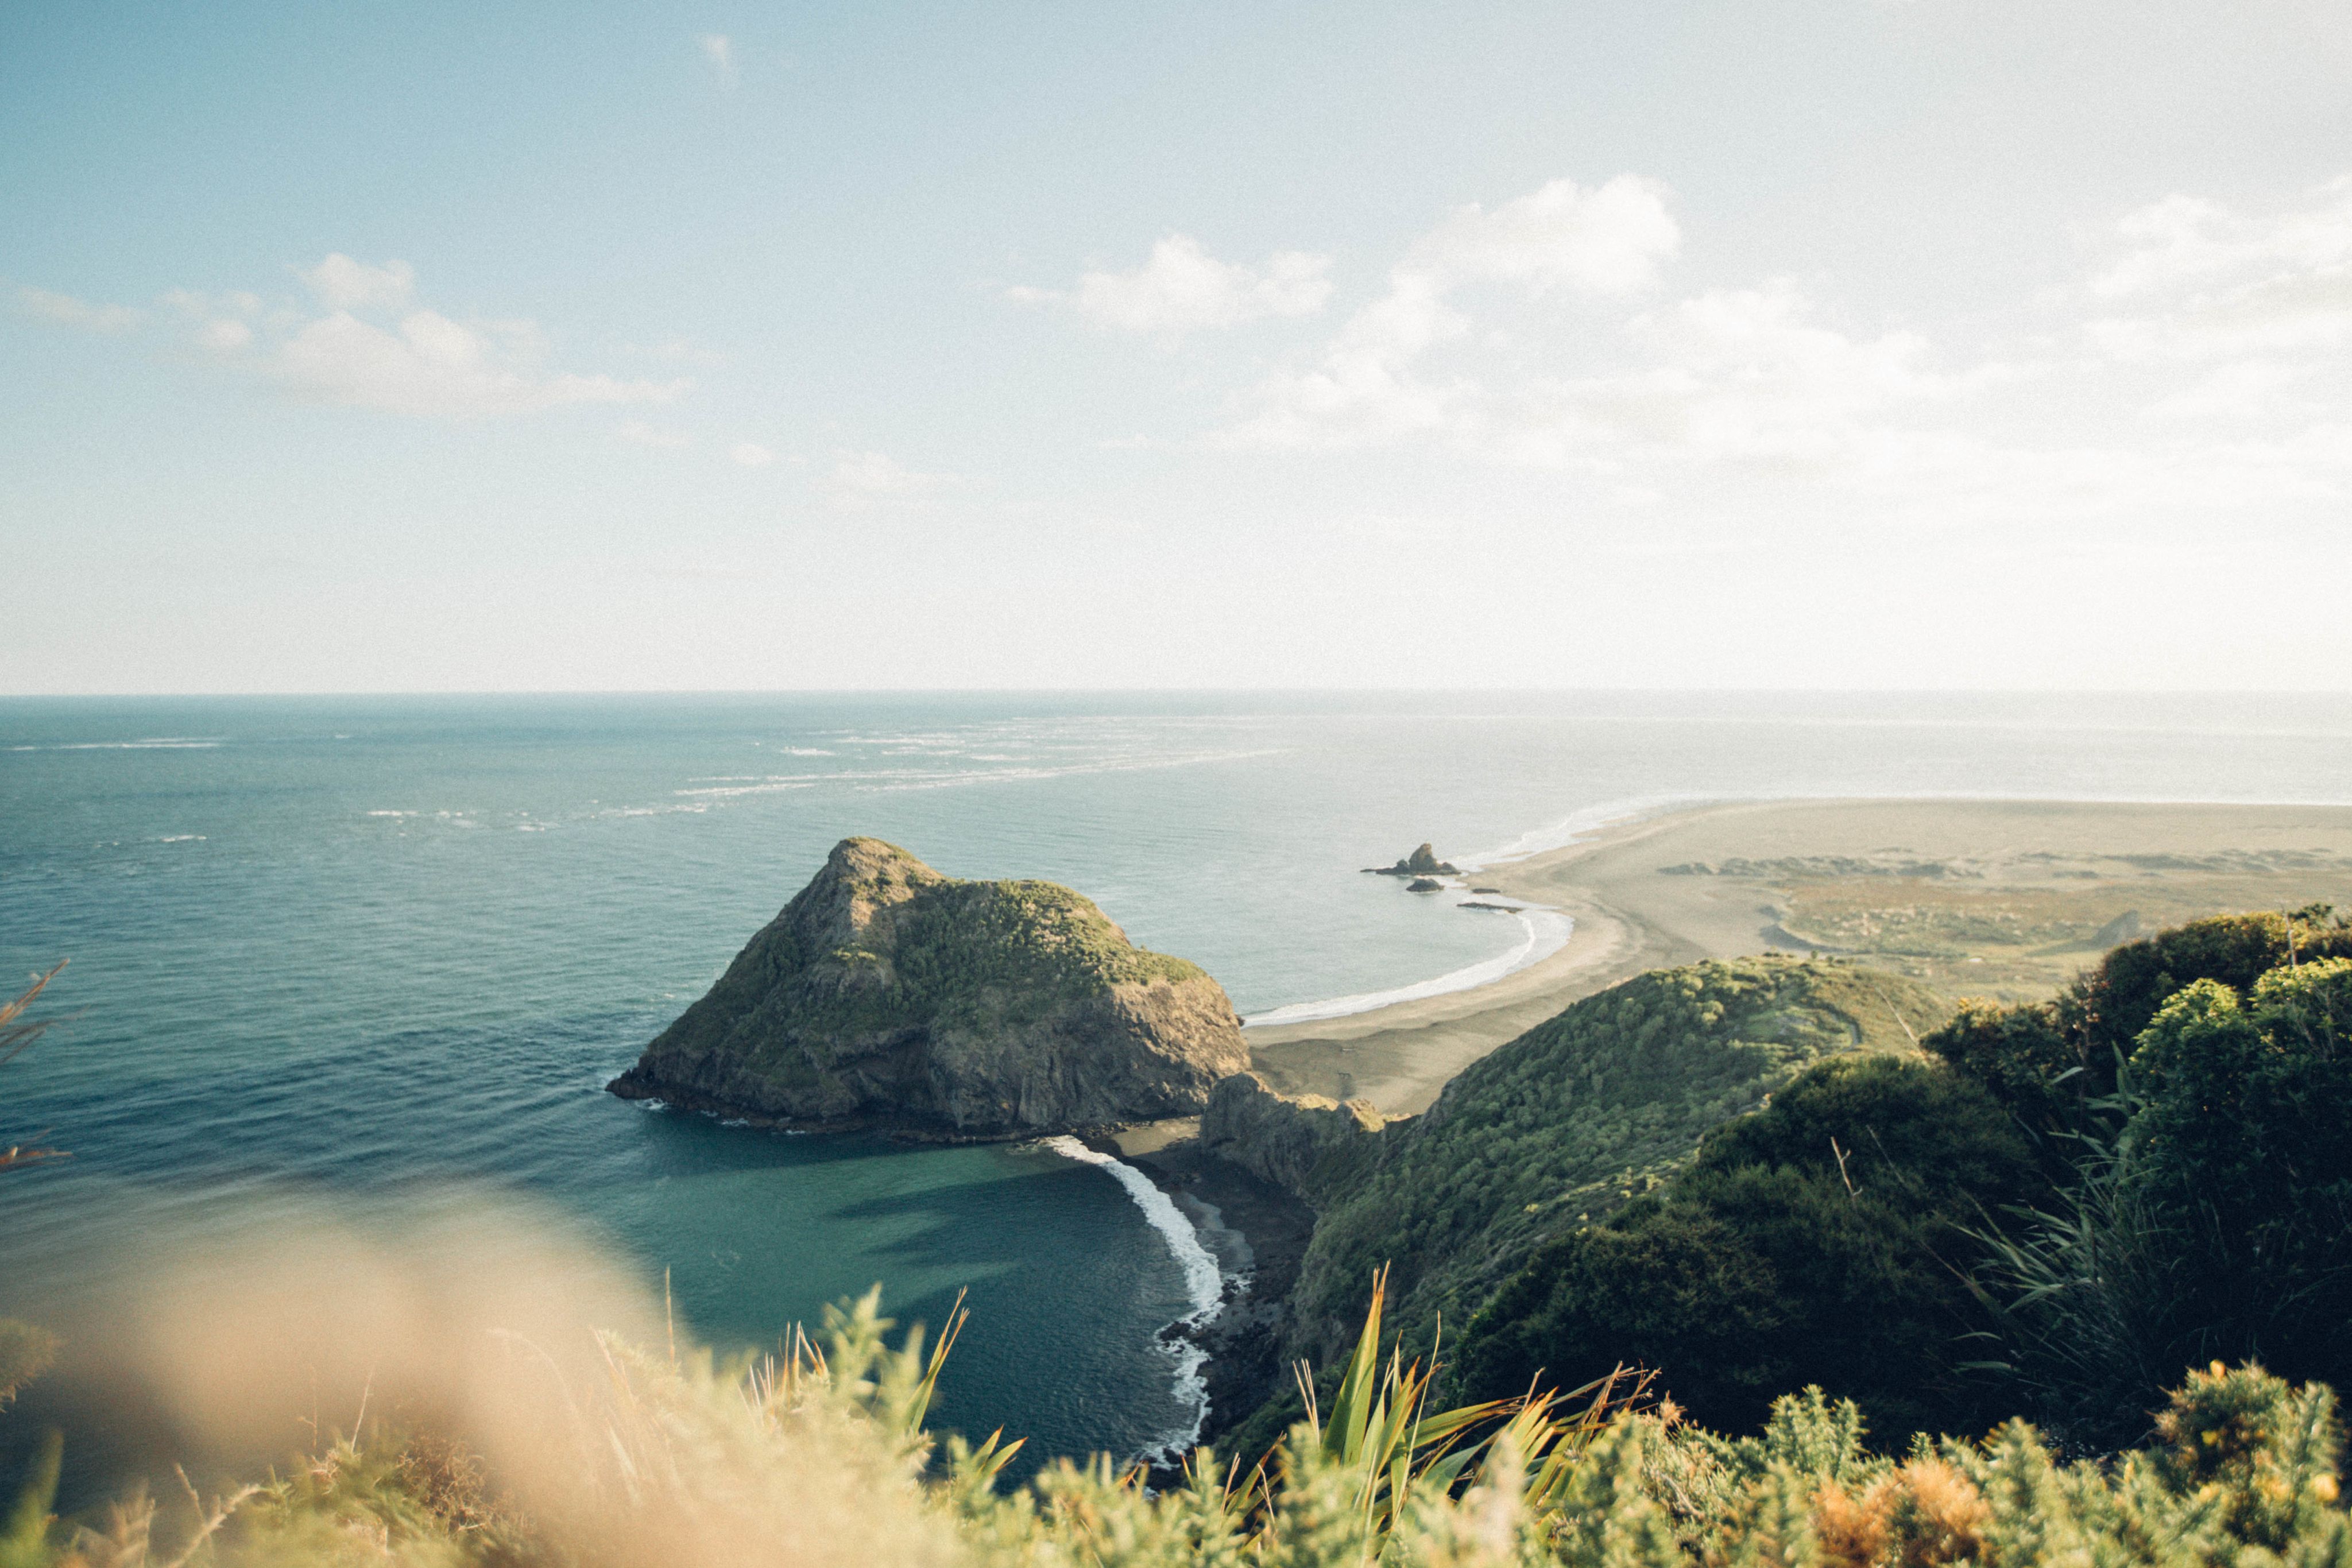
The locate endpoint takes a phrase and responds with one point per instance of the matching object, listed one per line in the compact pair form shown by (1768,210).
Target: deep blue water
(347,951)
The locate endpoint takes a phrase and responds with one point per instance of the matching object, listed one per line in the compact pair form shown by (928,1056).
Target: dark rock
(1422,862)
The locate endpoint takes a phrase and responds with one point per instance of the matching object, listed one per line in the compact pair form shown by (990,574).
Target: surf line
(1204,1286)
(1544,933)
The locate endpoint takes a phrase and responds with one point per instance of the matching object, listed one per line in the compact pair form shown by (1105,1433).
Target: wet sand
(1935,889)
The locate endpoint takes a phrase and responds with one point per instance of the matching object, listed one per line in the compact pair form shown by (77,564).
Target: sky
(1822,343)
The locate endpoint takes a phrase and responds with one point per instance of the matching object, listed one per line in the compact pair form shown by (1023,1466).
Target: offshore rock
(886,993)
(1299,1143)
(1422,862)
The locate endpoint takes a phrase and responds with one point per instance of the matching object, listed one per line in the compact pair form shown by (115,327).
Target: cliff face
(1298,1142)
(886,991)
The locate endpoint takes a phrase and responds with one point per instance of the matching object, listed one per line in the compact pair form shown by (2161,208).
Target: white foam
(1576,826)
(1204,1285)
(1544,933)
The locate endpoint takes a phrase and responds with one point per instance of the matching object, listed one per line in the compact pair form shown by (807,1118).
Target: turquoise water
(348,951)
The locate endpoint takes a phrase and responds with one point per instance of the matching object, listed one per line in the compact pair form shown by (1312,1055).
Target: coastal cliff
(888,992)
(1295,1142)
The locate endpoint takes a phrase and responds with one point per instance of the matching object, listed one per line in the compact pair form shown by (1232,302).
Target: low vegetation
(822,1457)
(1579,1116)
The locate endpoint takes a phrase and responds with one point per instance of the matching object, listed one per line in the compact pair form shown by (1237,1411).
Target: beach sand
(2004,899)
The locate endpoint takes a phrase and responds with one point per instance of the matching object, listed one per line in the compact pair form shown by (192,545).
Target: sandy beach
(1995,898)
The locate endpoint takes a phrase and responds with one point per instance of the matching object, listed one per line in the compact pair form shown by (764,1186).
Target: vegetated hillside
(2002,1228)
(887,989)
(1557,1128)
(1823,1240)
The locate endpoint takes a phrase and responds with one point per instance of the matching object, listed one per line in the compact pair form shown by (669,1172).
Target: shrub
(2210,1211)
(1816,1242)
(2049,1061)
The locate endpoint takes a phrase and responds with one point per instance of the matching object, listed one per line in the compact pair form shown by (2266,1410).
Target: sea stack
(886,993)
(1422,862)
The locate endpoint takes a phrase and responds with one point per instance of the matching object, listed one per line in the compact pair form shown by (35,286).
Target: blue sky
(1859,342)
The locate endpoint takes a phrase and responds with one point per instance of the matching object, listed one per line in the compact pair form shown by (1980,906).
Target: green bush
(1818,1241)
(1576,1117)
(2049,1061)
(2211,1215)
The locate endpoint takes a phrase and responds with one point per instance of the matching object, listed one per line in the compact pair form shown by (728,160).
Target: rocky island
(1422,862)
(886,993)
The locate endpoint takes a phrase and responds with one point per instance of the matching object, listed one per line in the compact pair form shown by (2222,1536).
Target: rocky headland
(888,994)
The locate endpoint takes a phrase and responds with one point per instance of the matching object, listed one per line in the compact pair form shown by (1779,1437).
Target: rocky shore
(1246,1172)
(1265,1231)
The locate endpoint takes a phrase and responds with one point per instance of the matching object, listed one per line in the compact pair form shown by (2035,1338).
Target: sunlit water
(352,950)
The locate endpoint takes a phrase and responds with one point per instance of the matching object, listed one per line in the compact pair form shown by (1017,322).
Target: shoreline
(1630,915)
(1258,1234)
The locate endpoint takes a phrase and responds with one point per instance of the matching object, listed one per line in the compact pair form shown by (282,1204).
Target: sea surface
(348,952)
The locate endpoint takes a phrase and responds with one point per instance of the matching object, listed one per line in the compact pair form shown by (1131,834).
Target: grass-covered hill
(1559,1127)
(884,989)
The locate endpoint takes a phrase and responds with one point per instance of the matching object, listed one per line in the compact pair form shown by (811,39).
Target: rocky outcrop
(1424,884)
(1295,1142)
(1422,862)
(885,992)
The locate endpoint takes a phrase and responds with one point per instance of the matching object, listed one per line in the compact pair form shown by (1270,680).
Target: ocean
(357,953)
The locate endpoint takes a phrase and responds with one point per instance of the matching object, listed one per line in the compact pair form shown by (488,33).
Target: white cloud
(1182,289)
(2200,280)
(751,454)
(865,478)
(430,366)
(2186,240)
(410,360)
(638,433)
(1608,240)
(1369,386)
(1742,375)
(65,310)
(720,50)
(343,284)
(224,335)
